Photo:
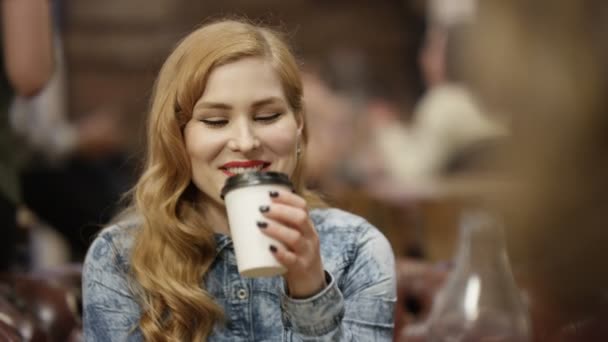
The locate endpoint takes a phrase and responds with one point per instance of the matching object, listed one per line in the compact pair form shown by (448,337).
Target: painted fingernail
(264,208)
(293,191)
(273,249)
(262,224)
(273,193)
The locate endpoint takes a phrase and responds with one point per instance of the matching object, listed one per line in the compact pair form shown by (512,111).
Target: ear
(300,122)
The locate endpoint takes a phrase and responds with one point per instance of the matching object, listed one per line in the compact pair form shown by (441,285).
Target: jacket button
(242,294)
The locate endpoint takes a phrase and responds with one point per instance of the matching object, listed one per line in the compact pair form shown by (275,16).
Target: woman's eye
(214,122)
(266,118)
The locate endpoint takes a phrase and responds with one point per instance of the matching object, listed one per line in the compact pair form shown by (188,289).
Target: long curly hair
(174,246)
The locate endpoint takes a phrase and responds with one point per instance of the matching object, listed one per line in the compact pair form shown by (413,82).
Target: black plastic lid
(255,178)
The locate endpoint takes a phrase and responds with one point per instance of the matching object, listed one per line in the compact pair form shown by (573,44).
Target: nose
(243,138)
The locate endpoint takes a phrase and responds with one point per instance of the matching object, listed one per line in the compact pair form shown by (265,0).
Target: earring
(298,149)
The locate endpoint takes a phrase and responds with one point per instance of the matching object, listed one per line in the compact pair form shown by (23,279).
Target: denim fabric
(357,305)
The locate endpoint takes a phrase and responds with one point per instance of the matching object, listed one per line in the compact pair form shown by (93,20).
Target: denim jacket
(357,304)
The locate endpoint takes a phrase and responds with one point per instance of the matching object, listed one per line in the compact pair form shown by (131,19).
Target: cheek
(202,146)
(282,141)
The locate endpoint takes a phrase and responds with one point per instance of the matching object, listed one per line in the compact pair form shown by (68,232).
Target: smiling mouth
(235,168)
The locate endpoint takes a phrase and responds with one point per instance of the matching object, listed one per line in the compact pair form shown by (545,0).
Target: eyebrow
(255,105)
(267,101)
(213,105)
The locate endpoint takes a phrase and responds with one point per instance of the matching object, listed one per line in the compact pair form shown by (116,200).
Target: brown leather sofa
(45,306)
(41,306)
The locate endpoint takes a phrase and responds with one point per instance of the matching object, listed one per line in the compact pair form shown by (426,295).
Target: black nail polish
(264,208)
(262,224)
(273,249)
(273,193)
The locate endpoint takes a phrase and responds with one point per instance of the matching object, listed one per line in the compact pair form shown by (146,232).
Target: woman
(228,100)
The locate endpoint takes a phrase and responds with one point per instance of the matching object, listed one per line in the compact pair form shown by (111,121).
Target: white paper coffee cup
(243,195)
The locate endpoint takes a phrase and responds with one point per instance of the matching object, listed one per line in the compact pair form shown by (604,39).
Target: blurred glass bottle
(480,301)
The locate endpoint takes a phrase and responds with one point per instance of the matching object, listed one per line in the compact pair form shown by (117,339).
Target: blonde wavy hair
(174,247)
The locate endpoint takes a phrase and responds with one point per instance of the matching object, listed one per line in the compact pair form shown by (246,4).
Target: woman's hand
(288,222)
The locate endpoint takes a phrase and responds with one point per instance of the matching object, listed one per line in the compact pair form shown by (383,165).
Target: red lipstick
(243,164)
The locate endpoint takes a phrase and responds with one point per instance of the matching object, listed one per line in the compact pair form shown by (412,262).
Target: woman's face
(241,123)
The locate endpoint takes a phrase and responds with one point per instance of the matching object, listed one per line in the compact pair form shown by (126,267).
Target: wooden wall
(115,47)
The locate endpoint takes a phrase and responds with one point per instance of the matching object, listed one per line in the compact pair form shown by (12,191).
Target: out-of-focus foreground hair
(546,63)
(174,246)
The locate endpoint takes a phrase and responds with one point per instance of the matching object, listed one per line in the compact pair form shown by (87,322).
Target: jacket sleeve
(110,313)
(361,309)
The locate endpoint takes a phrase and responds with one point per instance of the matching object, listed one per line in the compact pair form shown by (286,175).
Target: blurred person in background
(545,62)
(228,100)
(330,117)
(69,160)
(450,130)
(336,102)
(27,67)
